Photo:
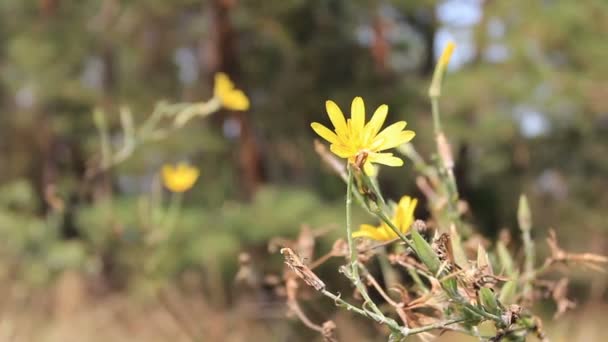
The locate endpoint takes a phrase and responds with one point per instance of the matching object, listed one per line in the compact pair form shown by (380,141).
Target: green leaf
(508,292)
(506,261)
(483,261)
(488,300)
(459,255)
(425,252)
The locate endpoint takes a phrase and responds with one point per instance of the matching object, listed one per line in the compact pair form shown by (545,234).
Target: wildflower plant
(160,219)
(225,95)
(453,283)
(360,143)
(179,178)
(402,219)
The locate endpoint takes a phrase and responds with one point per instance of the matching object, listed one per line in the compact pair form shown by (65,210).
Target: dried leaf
(302,271)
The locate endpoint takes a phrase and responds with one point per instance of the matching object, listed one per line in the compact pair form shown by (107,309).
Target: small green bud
(524,217)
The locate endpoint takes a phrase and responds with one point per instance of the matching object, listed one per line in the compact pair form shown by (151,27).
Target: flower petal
(368,231)
(387,233)
(342,151)
(386,159)
(335,116)
(397,140)
(392,138)
(222,85)
(357,114)
(376,122)
(324,132)
(235,100)
(404,213)
(390,131)
(179,178)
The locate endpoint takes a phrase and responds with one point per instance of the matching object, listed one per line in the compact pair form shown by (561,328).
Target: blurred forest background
(525,105)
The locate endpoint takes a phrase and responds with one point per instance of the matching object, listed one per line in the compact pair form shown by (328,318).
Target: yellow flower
(403,219)
(356,141)
(446,55)
(179,178)
(228,95)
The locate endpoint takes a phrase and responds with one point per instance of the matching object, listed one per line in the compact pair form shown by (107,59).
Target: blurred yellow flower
(359,142)
(228,95)
(179,178)
(446,55)
(403,219)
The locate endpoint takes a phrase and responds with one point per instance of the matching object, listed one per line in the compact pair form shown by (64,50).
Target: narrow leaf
(489,301)
(425,252)
(508,292)
(506,261)
(524,217)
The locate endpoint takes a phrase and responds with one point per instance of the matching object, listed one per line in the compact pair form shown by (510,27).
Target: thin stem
(404,331)
(173,212)
(414,274)
(435,111)
(354,268)
(295,307)
(398,306)
(198,109)
(150,123)
(102,127)
(437,325)
(528,263)
(391,323)
(321,260)
(349,234)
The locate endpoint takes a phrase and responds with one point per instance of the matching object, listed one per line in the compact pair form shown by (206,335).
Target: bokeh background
(525,104)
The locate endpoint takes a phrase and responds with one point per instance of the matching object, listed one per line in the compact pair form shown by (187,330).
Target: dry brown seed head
(302,271)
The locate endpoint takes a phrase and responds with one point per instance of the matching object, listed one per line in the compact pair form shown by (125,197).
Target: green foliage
(425,252)
(59,63)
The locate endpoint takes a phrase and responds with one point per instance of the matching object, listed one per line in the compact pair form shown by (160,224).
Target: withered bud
(420,227)
(445,151)
(272,280)
(292,287)
(340,248)
(244,259)
(302,271)
(306,243)
(426,188)
(511,315)
(328,331)
(463,207)
(505,236)
(280,291)
(360,160)
(559,294)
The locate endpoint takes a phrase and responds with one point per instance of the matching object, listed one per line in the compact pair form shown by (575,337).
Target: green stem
(435,112)
(99,117)
(173,212)
(530,273)
(349,232)
(391,323)
(354,268)
(437,325)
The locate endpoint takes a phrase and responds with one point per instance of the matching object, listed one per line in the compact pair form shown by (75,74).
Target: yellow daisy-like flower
(352,139)
(228,95)
(446,55)
(403,219)
(179,178)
